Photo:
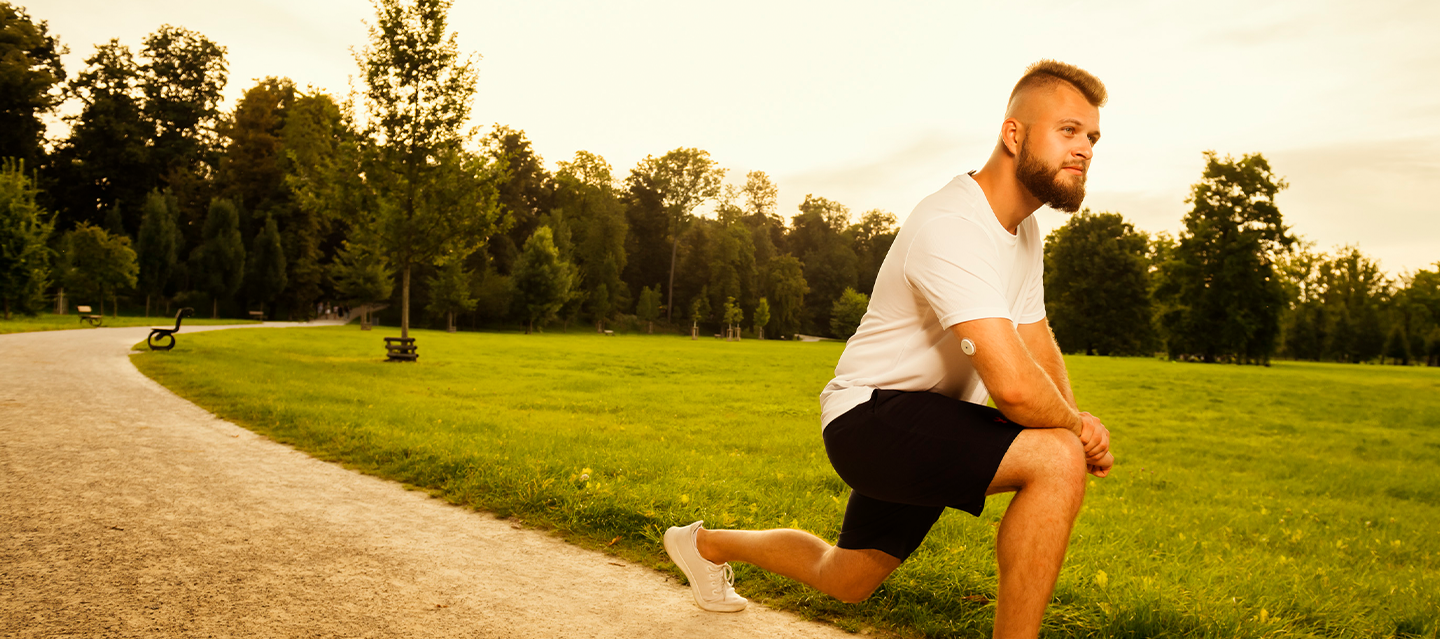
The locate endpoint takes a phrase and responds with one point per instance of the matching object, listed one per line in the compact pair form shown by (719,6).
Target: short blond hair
(1051,72)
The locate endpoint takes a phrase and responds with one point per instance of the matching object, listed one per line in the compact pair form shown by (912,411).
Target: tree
(450,293)
(733,315)
(872,237)
(182,81)
(24,235)
(361,277)
(1353,292)
(787,284)
(322,170)
(97,263)
(1097,285)
(586,197)
(1432,347)
(847,312)
(1221,293)
(434,200)
(682,179)
(159,244)
(30,72)
(700,307)
(541,279)
(761,317)
(526,191)
(648,308)
(105,161)
(831,266)
(221,254)
(266,277)
(1397,346)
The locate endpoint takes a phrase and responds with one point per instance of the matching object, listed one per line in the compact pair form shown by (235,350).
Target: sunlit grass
(1296,500)
(52,322)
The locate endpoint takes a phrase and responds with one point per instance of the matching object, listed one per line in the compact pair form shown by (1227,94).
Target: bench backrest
(82,309)
(182,313)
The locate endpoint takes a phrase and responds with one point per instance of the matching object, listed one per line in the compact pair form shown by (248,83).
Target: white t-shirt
(952,262)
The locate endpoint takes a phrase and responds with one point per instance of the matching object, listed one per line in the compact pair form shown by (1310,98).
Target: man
(957,315)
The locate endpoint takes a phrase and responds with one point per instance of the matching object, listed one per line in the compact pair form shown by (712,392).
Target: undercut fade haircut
(1051,72)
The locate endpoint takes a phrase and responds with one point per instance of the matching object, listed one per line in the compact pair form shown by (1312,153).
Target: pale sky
(878,106)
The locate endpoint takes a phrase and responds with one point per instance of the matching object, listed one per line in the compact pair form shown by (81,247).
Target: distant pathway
(126,511)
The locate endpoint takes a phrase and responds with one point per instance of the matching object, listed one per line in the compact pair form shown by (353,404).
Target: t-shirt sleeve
(1032,298)
(955,267)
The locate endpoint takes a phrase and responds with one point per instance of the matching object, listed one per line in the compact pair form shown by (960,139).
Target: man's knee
(1065,458)
(855,574)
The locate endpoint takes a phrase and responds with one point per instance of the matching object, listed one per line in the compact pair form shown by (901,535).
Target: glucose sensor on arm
(967,346)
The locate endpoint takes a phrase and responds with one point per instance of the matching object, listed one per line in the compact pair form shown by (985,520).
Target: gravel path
(127,511)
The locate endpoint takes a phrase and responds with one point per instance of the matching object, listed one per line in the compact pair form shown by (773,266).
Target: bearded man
(958,315)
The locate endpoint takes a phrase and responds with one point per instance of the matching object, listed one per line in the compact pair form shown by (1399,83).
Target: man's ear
(1010,133)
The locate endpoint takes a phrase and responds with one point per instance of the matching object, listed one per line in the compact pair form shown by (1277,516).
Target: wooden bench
(87,316)
(401,349)
(609,333)
(258,316)
(163,339)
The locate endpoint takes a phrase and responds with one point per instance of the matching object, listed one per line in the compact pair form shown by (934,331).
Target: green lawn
(1296,500)
(53,322)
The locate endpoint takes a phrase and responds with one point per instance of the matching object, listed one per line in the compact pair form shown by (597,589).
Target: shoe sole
(675,558)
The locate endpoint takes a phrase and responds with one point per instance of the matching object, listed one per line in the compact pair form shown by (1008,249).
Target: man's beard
(1043,182)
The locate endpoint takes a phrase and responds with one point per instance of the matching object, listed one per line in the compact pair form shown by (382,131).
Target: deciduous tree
(434,200)
(450,292)
(220,257)
(682,179)
(847,311)
(30,77)
(24,235)
(1097,285)
(98,264)
(1220,293)
(361,277)
(541,279)
(761,317)
(787,285)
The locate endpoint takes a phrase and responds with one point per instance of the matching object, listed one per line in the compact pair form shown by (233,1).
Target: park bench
(163,339)
(609,333)
(258,316)
(87,316)
(401,349)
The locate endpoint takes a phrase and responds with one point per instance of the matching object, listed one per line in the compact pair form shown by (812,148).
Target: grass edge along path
(1249,502)
(53,322)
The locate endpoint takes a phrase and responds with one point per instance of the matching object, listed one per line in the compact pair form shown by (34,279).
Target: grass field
(1298,500)
(53,322)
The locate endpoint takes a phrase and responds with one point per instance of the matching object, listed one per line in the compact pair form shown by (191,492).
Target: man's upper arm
(1020,387)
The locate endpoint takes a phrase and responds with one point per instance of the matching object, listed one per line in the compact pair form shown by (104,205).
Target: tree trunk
(670,292)
(529,326)
(215,308)
(405,304)
(650,327)
(7,308)
(147,305)
(102,302)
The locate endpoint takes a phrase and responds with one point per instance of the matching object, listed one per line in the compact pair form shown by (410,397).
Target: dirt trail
(127,511)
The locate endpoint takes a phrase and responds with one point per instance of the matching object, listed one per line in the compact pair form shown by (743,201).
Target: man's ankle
(703,545)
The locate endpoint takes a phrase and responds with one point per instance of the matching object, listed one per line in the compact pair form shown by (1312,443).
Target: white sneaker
(712,585)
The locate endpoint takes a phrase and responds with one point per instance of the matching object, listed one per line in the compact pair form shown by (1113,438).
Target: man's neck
(1010,201)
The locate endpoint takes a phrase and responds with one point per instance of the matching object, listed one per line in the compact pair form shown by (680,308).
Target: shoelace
(728,575)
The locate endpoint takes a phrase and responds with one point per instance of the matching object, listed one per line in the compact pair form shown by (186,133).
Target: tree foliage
(1097,285)
(1220,294)
(220,257)
(265,279)
(432,198)
(30,75)
(541,279)
(450,292)
(158,244)
(847,311)
(97,264)
(788,287)
(24,235)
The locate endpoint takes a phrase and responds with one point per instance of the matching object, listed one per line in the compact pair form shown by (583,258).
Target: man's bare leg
(847,575)
(1047,468)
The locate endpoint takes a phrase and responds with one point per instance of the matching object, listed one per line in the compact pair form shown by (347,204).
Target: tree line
(1235,285)
(157,196)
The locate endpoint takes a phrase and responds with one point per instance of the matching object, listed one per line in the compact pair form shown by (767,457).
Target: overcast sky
(878,106)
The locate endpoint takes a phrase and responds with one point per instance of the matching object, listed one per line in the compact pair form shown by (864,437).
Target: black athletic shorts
(909,455)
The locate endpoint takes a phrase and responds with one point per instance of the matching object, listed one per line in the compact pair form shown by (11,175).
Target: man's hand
(1096,440)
